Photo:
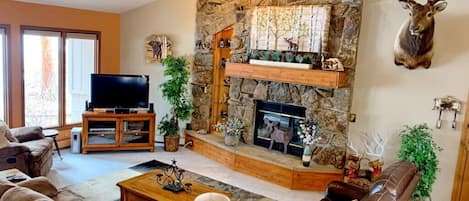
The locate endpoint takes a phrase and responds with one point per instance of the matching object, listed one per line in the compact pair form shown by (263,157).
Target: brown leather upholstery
(37,189)
(396,183)
(32,155)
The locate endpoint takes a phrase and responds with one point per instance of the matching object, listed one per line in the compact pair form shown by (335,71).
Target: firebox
(280,122)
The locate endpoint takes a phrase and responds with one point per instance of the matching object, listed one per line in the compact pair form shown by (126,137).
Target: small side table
(52,133)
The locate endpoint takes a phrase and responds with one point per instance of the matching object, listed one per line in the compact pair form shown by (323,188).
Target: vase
(307,154)
(231,140)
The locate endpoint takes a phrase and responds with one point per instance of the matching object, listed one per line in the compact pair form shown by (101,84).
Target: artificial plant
(175,92)
(419,147)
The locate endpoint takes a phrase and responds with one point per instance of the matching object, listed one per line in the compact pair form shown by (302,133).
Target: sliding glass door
(41,62)
(80,62)
(57,67)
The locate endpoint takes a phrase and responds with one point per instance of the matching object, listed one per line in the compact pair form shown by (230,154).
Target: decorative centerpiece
(172,179)
(309,135)
(231,129)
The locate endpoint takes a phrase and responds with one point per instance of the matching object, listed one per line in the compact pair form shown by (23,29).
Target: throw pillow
(23,194)
(8,133)
(4,186)
(41,185)
(3,139)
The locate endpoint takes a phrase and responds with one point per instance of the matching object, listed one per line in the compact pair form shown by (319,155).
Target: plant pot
(171,143)
(231,140)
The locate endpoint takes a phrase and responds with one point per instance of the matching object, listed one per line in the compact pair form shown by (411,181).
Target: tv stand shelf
(108,131)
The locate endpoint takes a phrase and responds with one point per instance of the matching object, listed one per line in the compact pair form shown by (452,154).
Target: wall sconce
(448,103)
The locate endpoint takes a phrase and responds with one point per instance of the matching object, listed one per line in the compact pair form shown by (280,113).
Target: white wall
(386,97)
(174,18)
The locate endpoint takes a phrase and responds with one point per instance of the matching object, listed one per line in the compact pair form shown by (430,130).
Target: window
(3,70)
(56,70)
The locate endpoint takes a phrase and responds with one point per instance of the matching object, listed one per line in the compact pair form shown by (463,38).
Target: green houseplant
(175,92)
(419,147)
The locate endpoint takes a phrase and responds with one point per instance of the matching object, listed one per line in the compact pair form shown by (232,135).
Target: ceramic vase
(307,154)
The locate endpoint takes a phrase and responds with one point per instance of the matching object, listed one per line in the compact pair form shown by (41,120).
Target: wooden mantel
(319,78)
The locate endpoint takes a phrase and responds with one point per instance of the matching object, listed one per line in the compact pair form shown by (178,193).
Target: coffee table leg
(57,148)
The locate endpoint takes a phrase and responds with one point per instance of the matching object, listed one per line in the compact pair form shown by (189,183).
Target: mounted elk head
(413,46)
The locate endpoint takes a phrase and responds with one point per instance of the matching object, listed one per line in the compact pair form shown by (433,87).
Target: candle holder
(172,179)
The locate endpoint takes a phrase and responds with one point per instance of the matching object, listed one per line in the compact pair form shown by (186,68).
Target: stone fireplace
(328,107)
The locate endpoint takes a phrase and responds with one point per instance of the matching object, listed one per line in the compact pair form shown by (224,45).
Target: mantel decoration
(172,179)
(157,47)
(232,130)
(309,135)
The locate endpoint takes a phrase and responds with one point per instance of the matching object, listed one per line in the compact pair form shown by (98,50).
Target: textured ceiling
(113,6)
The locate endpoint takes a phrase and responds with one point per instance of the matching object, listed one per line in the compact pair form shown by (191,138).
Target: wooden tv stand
(109,131)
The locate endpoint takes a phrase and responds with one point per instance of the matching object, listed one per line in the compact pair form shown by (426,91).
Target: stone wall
(330,108)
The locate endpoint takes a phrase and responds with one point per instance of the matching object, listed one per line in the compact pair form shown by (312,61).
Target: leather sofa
(28,151)
(37,189)
(396,183)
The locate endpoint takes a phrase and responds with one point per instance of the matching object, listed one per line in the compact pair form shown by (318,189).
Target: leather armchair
(396,183)
(29,151)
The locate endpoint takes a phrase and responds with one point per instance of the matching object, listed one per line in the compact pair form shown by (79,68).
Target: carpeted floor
(103,188)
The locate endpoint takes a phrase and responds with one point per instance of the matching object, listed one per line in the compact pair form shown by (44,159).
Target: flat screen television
(119,91)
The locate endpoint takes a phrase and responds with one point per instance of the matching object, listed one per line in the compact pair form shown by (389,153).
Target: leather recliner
(28,151)
(396,183)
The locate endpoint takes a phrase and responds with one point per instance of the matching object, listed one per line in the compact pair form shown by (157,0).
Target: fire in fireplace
(279,122)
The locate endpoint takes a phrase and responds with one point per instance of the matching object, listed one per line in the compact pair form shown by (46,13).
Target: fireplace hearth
(280,122)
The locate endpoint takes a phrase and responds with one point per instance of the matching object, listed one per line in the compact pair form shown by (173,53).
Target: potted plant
(231,129)
(419,147)
(175,92)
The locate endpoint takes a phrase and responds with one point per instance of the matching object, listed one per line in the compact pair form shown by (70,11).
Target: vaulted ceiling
(113,6)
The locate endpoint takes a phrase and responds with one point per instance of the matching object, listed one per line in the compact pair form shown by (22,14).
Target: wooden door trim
(462,157)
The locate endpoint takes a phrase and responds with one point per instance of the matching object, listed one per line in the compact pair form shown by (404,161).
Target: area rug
(103,188)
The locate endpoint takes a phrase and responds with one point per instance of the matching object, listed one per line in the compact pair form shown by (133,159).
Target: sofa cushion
(3,132)
(4,186)
(24,194)
(27,133)
(39,148)
(395,178)
(41,185)
(4,128)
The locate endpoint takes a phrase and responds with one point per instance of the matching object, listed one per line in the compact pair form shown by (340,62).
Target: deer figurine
(375,152)
(353,163)
(292,46)
(413,46)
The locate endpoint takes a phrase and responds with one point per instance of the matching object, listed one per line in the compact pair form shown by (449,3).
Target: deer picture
(413,46)
(292,46)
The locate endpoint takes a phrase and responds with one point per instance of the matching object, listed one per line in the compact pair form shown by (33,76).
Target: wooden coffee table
(146,188)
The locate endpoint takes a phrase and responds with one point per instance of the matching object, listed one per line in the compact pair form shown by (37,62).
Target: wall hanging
(448,103)
(413,46)
(157,47)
